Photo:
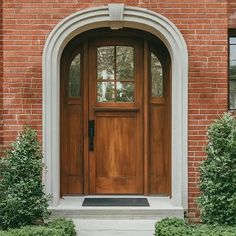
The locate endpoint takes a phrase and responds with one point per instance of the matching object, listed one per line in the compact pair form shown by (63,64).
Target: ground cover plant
(59,227)
(179,227)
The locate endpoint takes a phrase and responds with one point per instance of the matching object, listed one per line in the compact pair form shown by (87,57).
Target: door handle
(91,135)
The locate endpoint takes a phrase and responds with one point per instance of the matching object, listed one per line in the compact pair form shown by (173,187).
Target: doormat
(110,202)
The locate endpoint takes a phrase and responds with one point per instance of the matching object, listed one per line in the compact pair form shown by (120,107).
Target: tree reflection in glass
(232,74)
(124,91)
(105,91)
(74,77)
(156,76)
(115,74)
(105,62)
(124,63)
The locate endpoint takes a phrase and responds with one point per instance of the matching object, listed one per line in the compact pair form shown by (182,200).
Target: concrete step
(116,221)
(114,227)
(159,208)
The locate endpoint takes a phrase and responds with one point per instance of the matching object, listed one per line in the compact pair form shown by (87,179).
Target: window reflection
(105,63)
(105,91)
(115,63)
(156,76)
(232,73)
(74,77)
(124,63)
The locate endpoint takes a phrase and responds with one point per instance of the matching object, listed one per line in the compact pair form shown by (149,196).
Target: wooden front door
(116,110)
(115,115)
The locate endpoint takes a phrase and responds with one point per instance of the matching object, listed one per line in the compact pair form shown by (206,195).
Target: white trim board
(116,16)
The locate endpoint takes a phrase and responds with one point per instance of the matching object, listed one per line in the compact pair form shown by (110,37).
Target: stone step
(114,227)
(159,208)
(116,221)
(121,214)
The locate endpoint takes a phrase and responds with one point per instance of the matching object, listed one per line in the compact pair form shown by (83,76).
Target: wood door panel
(74,184)
(159,161)
(116,153)
(111,185)
(75,170)
(114,137)
(75,141)
(73,149)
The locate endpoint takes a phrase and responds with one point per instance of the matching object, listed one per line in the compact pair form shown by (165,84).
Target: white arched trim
(106,16)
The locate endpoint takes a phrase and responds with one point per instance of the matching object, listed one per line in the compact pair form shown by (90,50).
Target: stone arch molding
(115,16)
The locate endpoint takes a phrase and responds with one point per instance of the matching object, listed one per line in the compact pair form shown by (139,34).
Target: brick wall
(27,23)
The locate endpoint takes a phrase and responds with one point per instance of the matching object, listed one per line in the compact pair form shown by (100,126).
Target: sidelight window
(74,77)
(156,76)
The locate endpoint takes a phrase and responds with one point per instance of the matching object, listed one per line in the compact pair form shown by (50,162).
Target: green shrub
(33,231)
(218,173)
(67,226)
(178,227)
(22,199)
(170,227)
(59,227)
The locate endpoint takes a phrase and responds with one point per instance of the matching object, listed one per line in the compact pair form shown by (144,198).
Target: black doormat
(139,202)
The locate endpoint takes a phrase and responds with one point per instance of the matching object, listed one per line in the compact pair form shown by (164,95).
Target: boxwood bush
(178,227)
(58,227)
(22,199)
(218,173)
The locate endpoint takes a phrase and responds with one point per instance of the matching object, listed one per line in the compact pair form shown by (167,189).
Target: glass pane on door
(74,77)
(115,63)
(105,91)
(124,63)
(156,76)
(124,92)
(105,63)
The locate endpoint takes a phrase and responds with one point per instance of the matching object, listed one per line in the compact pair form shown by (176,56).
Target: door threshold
(75,202)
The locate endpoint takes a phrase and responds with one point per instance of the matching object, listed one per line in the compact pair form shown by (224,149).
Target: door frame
(154,166)
(106,16)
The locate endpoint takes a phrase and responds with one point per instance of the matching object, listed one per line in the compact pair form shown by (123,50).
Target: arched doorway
(130,17)
(115,114)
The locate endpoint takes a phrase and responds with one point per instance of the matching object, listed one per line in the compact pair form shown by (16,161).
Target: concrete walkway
(116,221)
(87,227)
